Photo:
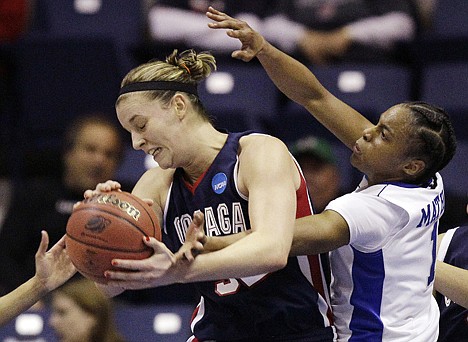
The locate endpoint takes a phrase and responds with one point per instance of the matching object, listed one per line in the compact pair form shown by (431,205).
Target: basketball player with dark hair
(382,237)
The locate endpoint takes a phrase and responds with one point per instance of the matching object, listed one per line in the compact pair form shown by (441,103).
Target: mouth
(154,152)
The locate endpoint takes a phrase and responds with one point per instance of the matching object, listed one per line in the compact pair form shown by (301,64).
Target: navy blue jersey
(279,306)
(453,318)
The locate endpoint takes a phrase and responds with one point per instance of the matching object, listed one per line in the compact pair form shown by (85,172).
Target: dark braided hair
(434,140)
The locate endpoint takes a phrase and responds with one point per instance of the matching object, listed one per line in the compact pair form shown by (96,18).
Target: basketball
(109,226)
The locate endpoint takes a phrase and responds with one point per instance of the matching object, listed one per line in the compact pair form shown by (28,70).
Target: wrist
(37,285)
(264,48)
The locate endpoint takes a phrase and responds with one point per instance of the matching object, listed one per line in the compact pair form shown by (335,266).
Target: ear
(414,167)
(180,105)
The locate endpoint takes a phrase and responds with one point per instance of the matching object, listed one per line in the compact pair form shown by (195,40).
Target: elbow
(277,261)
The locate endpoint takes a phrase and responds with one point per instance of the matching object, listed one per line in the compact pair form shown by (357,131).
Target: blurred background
(62,59)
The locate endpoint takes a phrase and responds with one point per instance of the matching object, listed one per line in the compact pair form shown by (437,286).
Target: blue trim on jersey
(453,317)
(368,277)
(407,185)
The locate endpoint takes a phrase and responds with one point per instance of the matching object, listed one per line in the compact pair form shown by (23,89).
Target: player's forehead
(136,106)
(396,119)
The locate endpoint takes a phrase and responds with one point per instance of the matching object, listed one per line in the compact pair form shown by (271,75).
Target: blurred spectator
(318,31)
(92,151)
(14,18)
(81,312)
(165,18)
(325,31)
(317,160)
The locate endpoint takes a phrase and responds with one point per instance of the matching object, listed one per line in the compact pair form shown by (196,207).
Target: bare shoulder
(258,142)
(154,184)
(267,157)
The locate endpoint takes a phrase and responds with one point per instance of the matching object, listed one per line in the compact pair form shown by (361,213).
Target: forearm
(452,282)
(20,299)
(297,82)
(319,233)
(252,256)
(293,78)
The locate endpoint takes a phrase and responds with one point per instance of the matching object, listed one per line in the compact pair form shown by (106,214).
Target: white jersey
(382,280)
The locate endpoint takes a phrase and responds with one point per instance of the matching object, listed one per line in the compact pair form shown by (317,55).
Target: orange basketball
(109,226)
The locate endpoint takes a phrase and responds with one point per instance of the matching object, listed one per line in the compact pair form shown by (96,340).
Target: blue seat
(370,89)
(57,79)
(450,19)
(237,95)
(122,21)
(445,85)
(161,323)
(447,37)
(454,174)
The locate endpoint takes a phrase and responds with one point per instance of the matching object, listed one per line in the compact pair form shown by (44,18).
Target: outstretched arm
(313,234)
(53,268)
(452,282)
(294,79)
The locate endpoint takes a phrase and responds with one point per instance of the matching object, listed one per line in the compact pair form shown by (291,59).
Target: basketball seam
(115,215)
(107,248)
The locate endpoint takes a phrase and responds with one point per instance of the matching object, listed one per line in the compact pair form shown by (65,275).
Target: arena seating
(370,89)
(57,79)
(122,21)
(238,94)
(160,323)
(445,84)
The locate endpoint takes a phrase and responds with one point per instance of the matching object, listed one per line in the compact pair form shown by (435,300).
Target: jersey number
(230,286)
(430,279)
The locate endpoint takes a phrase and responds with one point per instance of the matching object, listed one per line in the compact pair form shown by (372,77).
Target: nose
(367,134)
(137,142)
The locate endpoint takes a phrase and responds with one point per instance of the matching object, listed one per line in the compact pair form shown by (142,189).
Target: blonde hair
(187,67)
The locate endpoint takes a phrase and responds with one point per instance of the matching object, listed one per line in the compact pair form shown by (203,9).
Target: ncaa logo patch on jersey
(219,182)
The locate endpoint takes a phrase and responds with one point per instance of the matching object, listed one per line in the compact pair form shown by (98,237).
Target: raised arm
(53,268)
(294,79)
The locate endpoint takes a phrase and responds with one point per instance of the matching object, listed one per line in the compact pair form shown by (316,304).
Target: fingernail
(114,263)
(106,274)
(147,238)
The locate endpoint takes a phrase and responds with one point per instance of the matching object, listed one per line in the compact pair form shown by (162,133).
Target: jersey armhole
(444,244)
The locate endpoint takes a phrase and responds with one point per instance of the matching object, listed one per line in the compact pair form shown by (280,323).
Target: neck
(209,142)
